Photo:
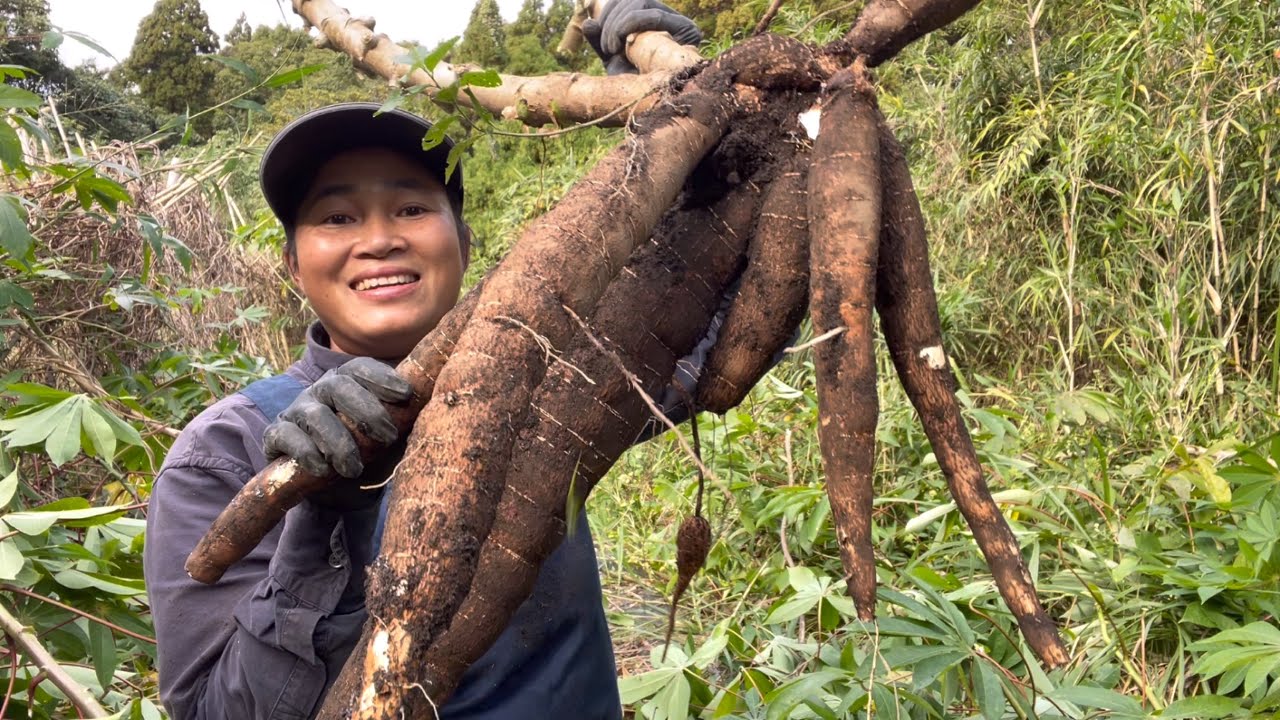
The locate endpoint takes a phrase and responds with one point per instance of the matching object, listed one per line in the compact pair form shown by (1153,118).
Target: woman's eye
(337,219)
(414,210)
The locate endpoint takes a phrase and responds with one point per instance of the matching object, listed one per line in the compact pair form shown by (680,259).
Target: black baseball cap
(298,151)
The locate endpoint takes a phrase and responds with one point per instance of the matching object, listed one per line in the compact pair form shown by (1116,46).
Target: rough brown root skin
(909,317)
(265,499)
(844,229)
(885,27)
(587,413)
(693,543)
(450,484)
(772,294)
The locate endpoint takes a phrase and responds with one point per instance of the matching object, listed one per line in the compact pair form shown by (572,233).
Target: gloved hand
(621,18)
(310,432)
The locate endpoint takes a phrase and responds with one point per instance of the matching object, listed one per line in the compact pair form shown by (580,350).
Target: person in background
(377,243)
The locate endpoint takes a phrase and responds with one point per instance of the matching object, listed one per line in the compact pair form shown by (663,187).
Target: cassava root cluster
(530,388)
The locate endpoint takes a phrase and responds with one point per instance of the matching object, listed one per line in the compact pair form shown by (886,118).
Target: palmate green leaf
(11,559)
(15,97)
(673,699)
(480,78)
(635,688)
(433,59)
(57,426)
(12,295)
(809,686)
(70,511)
(15,238)
(102,439)
(8,486)
(11,149)
(102,651)
(79,580)
(986,688)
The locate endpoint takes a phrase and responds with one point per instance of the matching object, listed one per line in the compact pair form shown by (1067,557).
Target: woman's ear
(464,244)
(291,264)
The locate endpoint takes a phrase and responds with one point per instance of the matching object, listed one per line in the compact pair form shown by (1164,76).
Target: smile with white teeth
(370,283)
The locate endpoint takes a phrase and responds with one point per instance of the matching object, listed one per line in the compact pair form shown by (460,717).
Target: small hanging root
(693,540)
(262,503)
(844,229)
(909,317)
(772,295)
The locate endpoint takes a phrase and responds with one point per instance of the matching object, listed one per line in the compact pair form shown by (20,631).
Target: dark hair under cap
(299,150)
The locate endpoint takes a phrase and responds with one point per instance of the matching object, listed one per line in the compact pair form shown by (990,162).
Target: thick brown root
(909,316)
(844,229)
(772,295)
(886,26)
(587,414)
(265,499)
(449,486)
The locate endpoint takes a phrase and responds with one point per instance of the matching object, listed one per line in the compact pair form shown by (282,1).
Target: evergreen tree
(528,51)
(485,40)
(164,62)
(240,32)
(23,24)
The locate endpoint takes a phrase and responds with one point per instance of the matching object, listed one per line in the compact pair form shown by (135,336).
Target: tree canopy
(164,61)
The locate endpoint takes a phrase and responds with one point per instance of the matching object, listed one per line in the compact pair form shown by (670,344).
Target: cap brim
(298,151)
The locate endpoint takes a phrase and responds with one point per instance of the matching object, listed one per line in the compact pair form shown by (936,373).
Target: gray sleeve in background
(267,639)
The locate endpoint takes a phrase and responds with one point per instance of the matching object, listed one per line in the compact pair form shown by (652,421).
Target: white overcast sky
(113,23)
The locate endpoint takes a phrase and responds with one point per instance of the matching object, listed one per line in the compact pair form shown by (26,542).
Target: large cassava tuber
(500,445)
(844,207)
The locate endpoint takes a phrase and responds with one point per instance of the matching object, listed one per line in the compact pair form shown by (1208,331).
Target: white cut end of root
(810,120)
(934,357)
(381,645)
(280,474)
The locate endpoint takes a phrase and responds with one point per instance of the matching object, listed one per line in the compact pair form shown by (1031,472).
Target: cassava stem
(844,229)
(885,27)
(265,499)
(909,317)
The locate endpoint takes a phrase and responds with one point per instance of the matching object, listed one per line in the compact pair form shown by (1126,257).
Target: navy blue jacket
(269,639)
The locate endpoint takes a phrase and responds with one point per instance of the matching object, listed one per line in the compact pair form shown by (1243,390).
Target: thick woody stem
(844,230)
(263,501)
(885,27)
(556,98)
(78,695)
(909,317)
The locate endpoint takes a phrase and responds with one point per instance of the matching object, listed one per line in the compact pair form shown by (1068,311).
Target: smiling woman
(378,252)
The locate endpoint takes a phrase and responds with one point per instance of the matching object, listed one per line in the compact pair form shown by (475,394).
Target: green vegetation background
(1101,190)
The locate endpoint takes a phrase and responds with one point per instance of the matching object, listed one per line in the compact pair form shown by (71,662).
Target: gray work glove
(310,432)
(622,18)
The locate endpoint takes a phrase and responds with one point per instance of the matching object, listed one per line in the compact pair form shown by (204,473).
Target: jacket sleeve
(267,640)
